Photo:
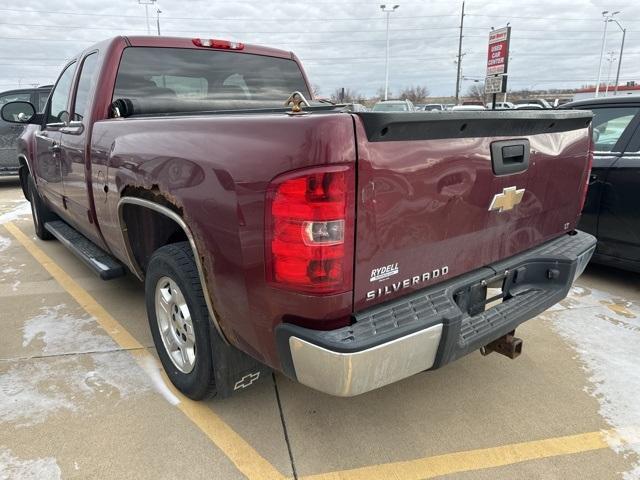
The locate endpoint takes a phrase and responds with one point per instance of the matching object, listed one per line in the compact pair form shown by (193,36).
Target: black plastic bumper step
(93,256)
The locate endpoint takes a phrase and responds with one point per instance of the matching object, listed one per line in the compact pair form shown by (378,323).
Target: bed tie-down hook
(297,101)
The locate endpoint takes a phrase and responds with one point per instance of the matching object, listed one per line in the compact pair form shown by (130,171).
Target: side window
(87,79)
(609,124)
(15,97)
(60,97)
(42,98)
(634,145)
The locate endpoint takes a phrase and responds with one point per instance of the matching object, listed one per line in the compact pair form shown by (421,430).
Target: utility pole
(459,55)
(386,65)
(607,18)
(158,12)
(146,4)
(624,34)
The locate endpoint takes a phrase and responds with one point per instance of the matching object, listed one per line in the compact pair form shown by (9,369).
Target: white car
(529,106)
(501,105)
(394,106)
(457,108)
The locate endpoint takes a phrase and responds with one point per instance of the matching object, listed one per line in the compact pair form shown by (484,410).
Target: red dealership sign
(498,54)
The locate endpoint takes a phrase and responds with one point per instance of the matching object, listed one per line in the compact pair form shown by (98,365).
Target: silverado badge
(509,198)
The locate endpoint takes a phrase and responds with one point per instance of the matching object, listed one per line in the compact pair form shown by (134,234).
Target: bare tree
(476,92)
(416,94)
(345,95)
(380,94)
(315,90)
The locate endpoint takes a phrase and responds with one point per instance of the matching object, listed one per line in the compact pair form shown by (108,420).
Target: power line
(324,42)
(453,27)
(543,18)
(221,19)
(48,39)
(93,14)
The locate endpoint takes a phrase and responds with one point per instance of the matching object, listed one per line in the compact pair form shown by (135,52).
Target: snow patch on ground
(23,208)
(64,333)
(11,467)
(152,368)
(605,332)
(4,243)
(32,391)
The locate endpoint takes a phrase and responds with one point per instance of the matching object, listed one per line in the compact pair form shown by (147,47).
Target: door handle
(54,148)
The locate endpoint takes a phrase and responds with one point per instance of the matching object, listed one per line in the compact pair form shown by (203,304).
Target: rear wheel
(179,320)
(40,212)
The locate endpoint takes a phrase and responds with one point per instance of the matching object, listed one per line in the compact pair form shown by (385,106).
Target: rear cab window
(172,80)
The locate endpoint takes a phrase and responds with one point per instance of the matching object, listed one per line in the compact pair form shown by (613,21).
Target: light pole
(624,34)
(158,12)
(146,4)
(611,57)
(607,18)
(386,64)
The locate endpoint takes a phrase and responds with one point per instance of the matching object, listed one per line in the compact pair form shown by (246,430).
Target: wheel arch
(164,210)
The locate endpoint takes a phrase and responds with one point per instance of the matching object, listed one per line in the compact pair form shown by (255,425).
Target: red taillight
(585,189)
(214,43)
(310,228)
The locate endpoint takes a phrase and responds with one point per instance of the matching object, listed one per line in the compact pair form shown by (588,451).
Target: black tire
(176,262)
(40,212)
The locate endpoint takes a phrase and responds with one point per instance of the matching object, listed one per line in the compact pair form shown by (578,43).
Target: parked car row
(408,106)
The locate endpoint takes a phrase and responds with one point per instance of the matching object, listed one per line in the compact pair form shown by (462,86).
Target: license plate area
(485,294)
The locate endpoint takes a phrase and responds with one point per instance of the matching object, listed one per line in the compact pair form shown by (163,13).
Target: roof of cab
(182,42)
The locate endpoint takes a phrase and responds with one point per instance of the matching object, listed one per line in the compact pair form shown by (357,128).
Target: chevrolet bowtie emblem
(509,198)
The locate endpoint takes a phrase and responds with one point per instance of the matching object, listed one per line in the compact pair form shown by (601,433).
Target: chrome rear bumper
(349,374)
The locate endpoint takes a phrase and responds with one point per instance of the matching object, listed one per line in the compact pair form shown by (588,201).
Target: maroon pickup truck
(346,250)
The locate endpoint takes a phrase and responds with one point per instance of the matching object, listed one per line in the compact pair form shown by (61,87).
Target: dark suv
(611,211)
(10,132)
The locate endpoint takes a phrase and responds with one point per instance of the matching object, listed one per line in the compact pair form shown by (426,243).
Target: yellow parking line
(246,459)
(458,462)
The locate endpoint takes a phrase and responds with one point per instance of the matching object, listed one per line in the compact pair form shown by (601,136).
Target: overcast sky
(555,43)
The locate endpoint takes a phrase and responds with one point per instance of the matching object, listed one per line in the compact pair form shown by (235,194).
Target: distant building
(590,92)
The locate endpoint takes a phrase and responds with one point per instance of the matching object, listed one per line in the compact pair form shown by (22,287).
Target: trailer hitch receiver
(508,345)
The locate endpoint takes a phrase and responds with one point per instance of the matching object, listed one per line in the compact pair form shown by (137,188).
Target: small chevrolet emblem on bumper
(509,198)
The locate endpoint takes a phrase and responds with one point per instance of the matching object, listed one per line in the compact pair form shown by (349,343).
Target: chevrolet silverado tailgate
(444,193)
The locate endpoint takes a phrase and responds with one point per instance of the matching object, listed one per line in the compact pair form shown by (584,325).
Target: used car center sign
(498,56)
